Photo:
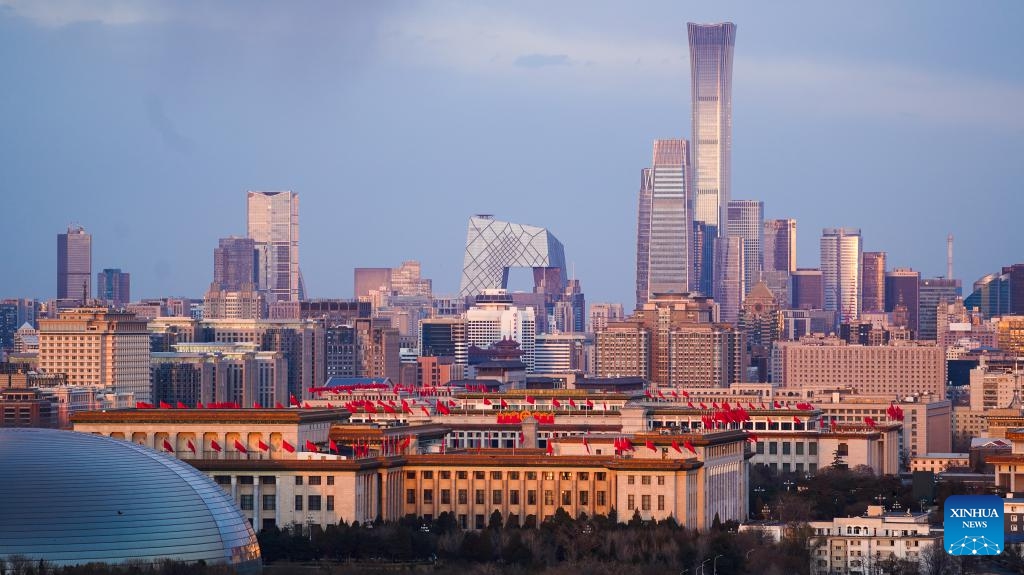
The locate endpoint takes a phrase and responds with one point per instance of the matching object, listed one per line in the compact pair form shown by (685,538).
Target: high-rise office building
(74,264)
(234,263)
(902,286)
(273,223)
(643,237)
(841,271)
(494,246)
(444,337)
(731,270)
(603,313)
(873,278)
(807,289)
(114,287)
(779,245)
(365,280)
(711,48)
(999,294)
(495,318)
(745,220)
(704,241)
(932,293)
(665,226)
(406,280)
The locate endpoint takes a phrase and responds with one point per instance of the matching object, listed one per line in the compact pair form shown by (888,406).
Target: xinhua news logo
(973,525)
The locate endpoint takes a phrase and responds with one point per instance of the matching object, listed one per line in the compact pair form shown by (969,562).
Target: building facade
(873,282)
(74,265)
(234,263)
(902,288)
(841,272)
(807,289)
(663,226)
(745,220)
(494,246)
(780,245)
(273,224)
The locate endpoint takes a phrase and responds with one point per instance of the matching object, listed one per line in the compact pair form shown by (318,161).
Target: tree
(837,460)
(495,521)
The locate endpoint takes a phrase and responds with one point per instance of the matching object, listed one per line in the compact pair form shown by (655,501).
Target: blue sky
(146,122)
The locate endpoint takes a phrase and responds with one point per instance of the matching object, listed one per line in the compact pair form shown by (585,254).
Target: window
(661,503)
(773,448)
(513,476)
(314,503)
(584,498)
(428,474)
(410,496)
(843,449)
(224,479)
(496,497)
(245,502)
(601,476)
(478,475)
(566,497)
(630,480)
(446,497)
(314,480)
(462,522)
(601,498)
(463,497)
(531,497)
(461,474)
(645,480)
(549,475)
(410,475)
(479,521)
(245,479)
(786,448)
(631,502)
(496,475)
(479,497)
(531,476)
(566,476)
(446,474)
(330,480)
(330,503)
(760,448)
(298,503)
(513,497)
(298,480)
(269,503)
(428,496)
(661,480)
(645,502)
(549,497)
(812,448)
(799,447)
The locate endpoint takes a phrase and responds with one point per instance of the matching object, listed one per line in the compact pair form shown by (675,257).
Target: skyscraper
(114,287)
(779,245)
(234,263)
(711,47)
(934,291)
(841,271)
(731,270)
(273,223)
(703,276)
(663,226)
(745,220)
(902,286)
(494,246)
(74,264)
(806,289)
(873,275)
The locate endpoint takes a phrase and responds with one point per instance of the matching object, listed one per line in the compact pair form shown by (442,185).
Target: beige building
(246,303)
(995,387)
(1010,334)
(623,350)
(939,462)
(904,369)
(97,346)
(859,545)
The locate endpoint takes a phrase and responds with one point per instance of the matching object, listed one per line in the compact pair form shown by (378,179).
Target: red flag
(556,403)
(686,393)
(370,408)
(181,405)
(752,438)
(660,394)
(689,404)
(530,399)
(647,392)
(650,445)
(262,446)
(167,446)
(287,446)
(405,407)
(293,401)
(329,406)
(687,444)
(777,406)
(388,409)
(240,447)
(200,405)
(751,406)
(332,446)
(769,422)
(256,405)
(590,404)
(504,404)
(587,445)
(675,445)
(572,403)
(443,409)
(278,405)
(870,422)
(796,420)
(306,405)
(551,447)
(406,441)
(714,405)
(487,401)
(627,445)
(702,406)
(191,446)
(214,445)
(143,405)
(310,446)
(165,405)
(674,394)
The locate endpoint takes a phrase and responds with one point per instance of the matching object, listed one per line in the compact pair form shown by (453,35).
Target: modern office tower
(8,325)
(377,349)
(219,372)
(711,47)
(340,351)
(807,289)
(74,264)
(999,293)
(902,286)
(234,263)
(494,246)
(955,323)
(561,352)
(244,303)
(577,305)
(603,313)
(841,271)
(900,370)
(779,245)
(745,220)
(366,280)
(1010,334)
(703,275)
(97,346)
(663,223)
(114,287)
(406,281)
(444,337)
(674,340)
(273,223)
(873,282)
(761,323)
(932,293)
(495,318)
(731,270)
(448,306)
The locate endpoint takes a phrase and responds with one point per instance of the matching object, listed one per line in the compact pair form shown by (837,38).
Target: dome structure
(72,498)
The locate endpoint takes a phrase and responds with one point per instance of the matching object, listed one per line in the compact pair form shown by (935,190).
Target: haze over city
(394,122)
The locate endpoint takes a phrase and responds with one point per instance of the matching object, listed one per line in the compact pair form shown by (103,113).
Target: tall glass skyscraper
(273,222)
(74,264)
(731,269)
(779,245)
(745,220)
(711,47)
(841,250)
(873,277)
(663,223)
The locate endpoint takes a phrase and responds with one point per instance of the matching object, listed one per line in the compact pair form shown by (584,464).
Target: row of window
(787,447)
(645,502)
(510,475)
(497,497)
(313,502)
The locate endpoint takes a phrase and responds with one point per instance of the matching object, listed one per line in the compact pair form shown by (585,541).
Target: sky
(147,122)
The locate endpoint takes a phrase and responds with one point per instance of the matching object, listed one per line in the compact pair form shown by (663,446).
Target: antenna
(949,256)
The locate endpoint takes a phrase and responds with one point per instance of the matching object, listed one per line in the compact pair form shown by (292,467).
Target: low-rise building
(939,462)
(859,545)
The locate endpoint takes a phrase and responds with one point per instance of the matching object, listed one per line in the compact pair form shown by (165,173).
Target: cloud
(58,13)
(542,60)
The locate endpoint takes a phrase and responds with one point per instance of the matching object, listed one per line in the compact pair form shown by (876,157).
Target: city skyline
(170,140)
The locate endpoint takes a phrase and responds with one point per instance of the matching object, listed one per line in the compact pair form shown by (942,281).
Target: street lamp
(714,565)
(788,483)
(702,565)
